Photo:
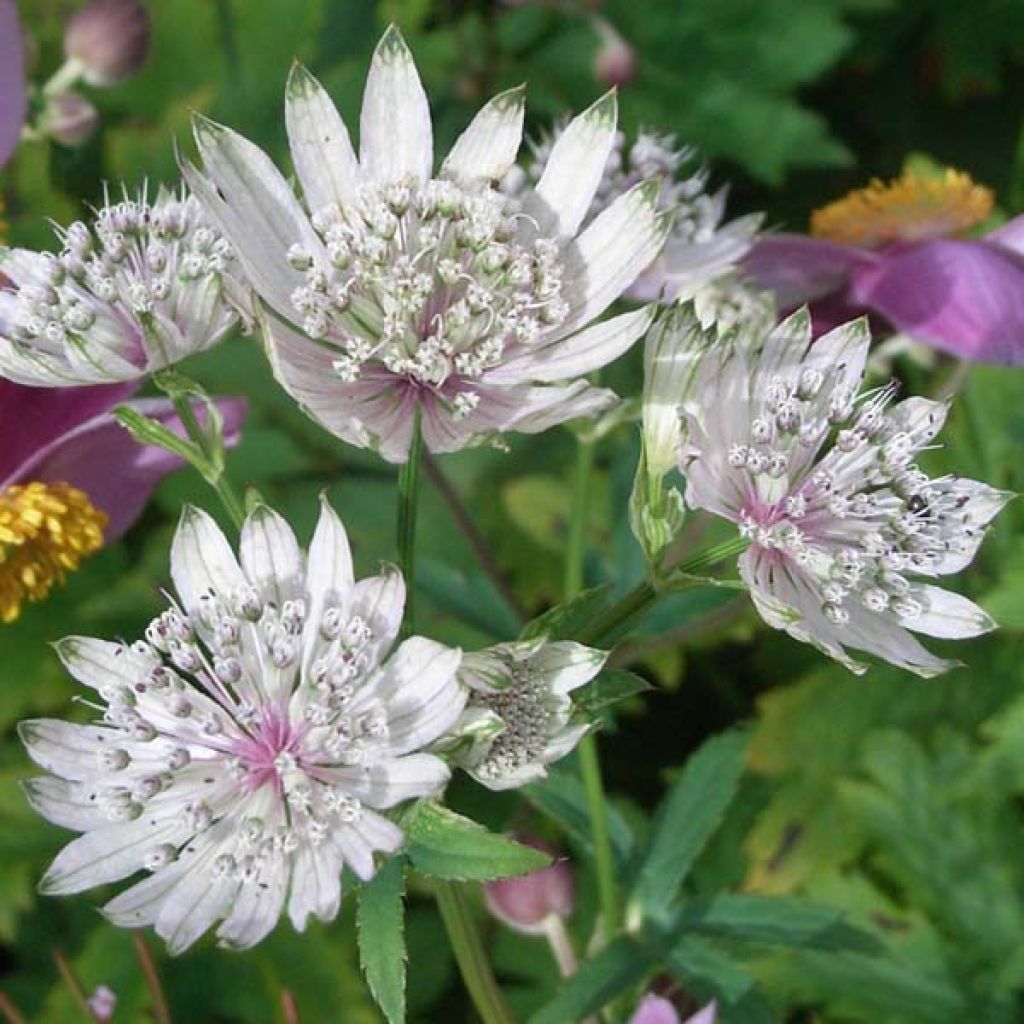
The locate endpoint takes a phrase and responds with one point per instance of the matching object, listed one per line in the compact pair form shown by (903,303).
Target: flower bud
(615,63)
(69,119)
(109,38)
(102,1004)
(526,902)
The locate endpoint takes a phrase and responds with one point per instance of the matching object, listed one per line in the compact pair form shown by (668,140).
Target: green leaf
(691,812)
(561,797)
(380,924)
(469,596)
(446,845)
(708,970)
(564,621)
(610,687)
(619,966)
(775,921)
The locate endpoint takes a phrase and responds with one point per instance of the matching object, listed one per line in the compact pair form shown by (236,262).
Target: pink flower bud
(656,1010)
(615,63)
(69,118)
(102,1004)
(524,903)
(109,38)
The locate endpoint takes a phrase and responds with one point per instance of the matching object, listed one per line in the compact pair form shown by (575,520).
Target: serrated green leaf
(622,964)
(380,925)
(446,845)
(688,817)
(610,687)
(564,621)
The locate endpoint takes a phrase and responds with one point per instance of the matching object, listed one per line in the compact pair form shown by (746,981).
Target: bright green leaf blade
(446,845)
(619,966)
(609,688)
(380,924)
(564,621)
(687,819)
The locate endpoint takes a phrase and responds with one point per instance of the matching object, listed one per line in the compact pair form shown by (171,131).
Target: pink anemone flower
(72,479)
(891,250)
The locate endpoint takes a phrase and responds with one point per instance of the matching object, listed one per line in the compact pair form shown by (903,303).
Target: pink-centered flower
(394,293)
(72,479)
(245,751)
(846,530)
(893,251)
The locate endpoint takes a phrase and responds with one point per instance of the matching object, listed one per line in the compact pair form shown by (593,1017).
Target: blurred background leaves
(895,800)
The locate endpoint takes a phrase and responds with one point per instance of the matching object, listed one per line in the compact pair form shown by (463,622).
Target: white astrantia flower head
(519,716)
(845,528)
(243,753)
(392,292)
(699,248)
(139,287)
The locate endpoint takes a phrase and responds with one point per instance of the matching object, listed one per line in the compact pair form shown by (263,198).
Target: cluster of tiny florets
(862,515)
(525,708)
(134,261)
(432,283)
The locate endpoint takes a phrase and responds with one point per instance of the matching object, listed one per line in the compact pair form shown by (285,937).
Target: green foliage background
(895,800)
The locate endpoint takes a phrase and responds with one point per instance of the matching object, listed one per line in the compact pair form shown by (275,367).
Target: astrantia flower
(519,715)
(244,750)
(892,250)
(845,529)
(699,248)
(392,290)
(140,287)
(72,479)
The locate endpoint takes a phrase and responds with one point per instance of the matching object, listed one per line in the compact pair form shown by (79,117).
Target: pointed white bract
(243,753)
(519,717)
(143,285)
(392,293)
(845,529)
(700,249)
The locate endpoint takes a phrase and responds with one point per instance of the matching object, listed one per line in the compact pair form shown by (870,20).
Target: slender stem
(576,539)
(10,1012)
(74,985)
(471,532)
(229,499)
(561,945)
(470,955)
(408,506)
(159,1008)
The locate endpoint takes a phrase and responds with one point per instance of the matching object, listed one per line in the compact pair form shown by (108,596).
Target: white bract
(845,528)
(700,249)
(393,294)
(519,715)
(244,751)
(140,287)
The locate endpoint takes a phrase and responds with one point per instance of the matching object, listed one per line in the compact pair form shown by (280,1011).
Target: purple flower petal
(100,458)
(31,419)
(964,297)
(655,1010)
(1010,235)
(799,269)
(13,97)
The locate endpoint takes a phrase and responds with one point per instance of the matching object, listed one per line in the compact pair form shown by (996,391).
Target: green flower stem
(408,507)
(589,756)
(219,482)
(470,954)
(451,901)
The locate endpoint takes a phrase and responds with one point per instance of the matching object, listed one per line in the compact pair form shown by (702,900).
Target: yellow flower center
(913,207)
(45,532)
